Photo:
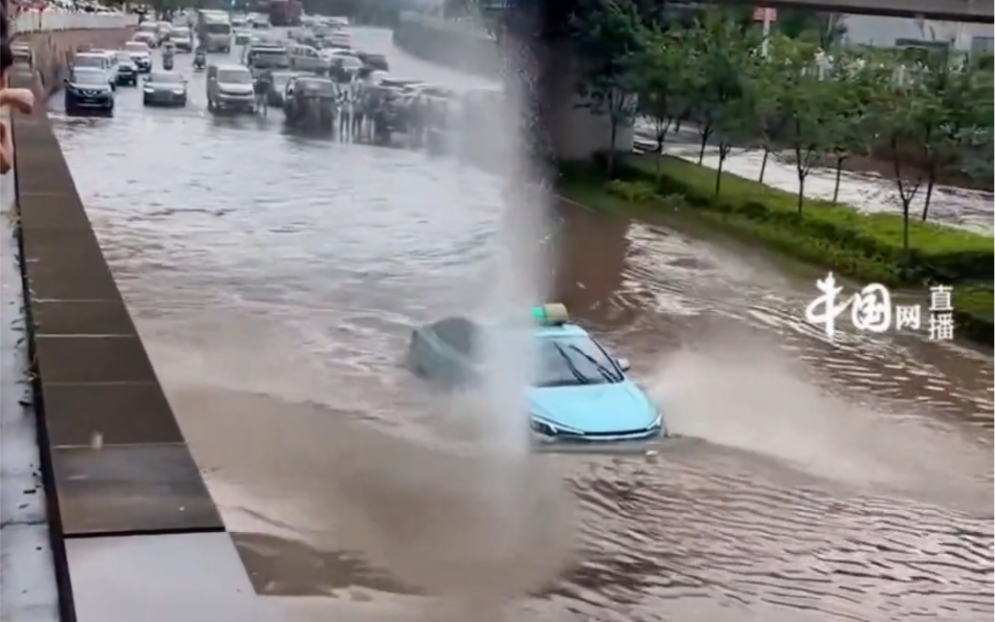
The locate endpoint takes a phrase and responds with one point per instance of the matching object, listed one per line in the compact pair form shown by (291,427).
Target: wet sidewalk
(956,207)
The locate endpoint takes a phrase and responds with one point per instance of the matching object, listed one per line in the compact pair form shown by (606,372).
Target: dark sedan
(89,89)
(164,88)
(278,85)
(127,70)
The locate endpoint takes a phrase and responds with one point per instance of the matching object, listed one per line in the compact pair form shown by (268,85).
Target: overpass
(968,11)
(573,131)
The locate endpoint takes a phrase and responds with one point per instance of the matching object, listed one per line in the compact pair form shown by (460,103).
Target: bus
(285,13)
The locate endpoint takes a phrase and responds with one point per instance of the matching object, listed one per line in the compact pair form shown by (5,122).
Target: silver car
(164,88)
(182,39)
(230,87)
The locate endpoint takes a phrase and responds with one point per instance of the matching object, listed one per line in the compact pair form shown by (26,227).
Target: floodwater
(958,207)
(275,280)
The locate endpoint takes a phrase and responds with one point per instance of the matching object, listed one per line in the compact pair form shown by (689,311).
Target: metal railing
(51,20)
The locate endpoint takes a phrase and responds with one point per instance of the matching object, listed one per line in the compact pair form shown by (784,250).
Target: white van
(307,58)
(230,87)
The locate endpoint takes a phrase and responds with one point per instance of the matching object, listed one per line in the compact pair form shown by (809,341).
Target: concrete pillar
(575,128)
(571,127)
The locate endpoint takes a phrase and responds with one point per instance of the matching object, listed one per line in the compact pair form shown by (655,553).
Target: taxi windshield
(574,360)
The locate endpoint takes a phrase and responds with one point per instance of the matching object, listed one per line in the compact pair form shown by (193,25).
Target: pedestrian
(20,99)
(262,89)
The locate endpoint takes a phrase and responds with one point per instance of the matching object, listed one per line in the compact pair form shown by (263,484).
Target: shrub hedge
(863,246)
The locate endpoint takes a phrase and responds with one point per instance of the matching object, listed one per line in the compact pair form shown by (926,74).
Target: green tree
(715,55)
(662,95)
(856,87)
(906,116)
(802,95)
(955,112)
(610,40)
(765,77)
(734,110)
(818,27)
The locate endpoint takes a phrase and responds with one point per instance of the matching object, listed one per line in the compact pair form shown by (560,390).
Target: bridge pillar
(575,130)
(565,125)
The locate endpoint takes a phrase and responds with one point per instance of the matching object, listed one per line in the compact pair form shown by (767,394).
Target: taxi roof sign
(552,313)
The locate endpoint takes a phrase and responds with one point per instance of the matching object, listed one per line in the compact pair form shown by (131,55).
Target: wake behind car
(88,88)
(582,393)
(140,54)
(164,88)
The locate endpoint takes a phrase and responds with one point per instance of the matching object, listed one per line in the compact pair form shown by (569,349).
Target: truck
(285,12)
(214,30)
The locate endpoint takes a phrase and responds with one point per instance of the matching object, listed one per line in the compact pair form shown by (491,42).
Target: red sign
(763,14)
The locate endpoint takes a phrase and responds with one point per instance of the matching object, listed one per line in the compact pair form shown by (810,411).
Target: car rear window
(459,333)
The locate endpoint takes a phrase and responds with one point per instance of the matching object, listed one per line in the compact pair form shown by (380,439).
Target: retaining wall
(53,49)
(448,44)
(52,21)
(96,439)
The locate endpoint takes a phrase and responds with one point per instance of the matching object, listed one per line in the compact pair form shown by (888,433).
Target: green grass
(864,246)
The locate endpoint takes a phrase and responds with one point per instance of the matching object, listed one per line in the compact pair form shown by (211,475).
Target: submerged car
(309,102)
(581,394)
(89,88)
(140,54)
(164,88)
(182,39)
(230,87)
(242,36)
(127,70)
(278,86)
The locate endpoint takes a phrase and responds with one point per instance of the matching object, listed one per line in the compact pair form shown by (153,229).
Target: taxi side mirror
(624,364)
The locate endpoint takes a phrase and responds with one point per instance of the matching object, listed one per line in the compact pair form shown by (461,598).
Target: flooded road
(275,280)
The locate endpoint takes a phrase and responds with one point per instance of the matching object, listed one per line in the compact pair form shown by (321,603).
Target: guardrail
(49,20)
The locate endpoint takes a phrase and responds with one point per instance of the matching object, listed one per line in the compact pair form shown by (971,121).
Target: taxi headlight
(545,428)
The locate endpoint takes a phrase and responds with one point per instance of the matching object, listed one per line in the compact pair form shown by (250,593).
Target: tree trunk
(701,152)
(611,149)
(801,192)
(723,153)
(763,166)
(905,225)
(930,184)
(839,173)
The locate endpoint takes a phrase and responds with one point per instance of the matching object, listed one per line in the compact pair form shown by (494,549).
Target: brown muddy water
(275,281)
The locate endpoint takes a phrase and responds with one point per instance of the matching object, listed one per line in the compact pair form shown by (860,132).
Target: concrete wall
(52,21)
(54,49)
(576,131)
